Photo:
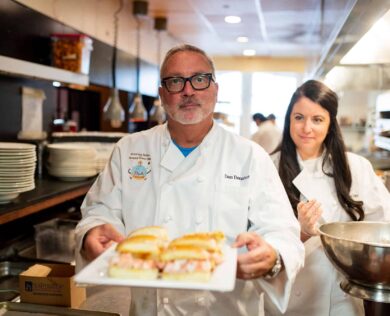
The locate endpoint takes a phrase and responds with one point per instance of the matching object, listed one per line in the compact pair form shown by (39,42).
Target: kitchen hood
(23,68)
(362,17)
(359,77)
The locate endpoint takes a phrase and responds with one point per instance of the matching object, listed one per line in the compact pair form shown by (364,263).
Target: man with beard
(199,177)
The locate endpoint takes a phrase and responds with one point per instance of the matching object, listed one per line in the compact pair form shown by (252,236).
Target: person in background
(268,134)
(324,184)
(199,177)
(271,117)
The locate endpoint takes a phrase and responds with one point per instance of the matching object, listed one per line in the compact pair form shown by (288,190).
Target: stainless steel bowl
(361,252)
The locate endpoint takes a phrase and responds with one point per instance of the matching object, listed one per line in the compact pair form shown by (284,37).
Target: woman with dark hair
(324,184)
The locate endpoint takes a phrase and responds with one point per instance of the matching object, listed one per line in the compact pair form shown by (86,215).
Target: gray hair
(186,48)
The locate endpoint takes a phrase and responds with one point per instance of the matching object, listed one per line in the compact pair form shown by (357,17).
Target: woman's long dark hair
(335,150)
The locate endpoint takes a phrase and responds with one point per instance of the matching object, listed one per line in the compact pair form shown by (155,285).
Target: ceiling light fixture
(137,110)
(242,39)
(249,52)
(113,110)
(232,19)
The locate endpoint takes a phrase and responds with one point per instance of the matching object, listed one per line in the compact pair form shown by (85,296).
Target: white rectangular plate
(223,278)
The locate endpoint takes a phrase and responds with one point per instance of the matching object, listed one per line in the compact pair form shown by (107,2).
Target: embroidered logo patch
(139,166)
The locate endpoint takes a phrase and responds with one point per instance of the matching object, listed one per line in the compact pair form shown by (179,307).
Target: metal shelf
(382,142)
(28,69)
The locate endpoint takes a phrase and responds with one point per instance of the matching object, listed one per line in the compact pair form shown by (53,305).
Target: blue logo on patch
(28,286)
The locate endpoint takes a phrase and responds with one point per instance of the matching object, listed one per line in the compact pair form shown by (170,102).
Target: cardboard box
(50,284)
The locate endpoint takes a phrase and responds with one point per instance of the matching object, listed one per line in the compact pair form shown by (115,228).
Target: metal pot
(361,252)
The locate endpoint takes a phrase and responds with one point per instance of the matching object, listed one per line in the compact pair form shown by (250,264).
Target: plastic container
(55,240)
(72,52)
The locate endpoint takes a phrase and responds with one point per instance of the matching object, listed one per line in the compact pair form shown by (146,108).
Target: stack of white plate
(104,151)
(17,169)
(71,162)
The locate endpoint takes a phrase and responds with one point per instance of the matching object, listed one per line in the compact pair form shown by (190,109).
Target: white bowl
(9,146)
(17,159)
(5,180)
(17,190)
(15,185)
(7,197)
(16,154)
(17,173)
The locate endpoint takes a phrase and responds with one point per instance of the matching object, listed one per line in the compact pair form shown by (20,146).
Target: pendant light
(157,113)
(113,110)
(137,110)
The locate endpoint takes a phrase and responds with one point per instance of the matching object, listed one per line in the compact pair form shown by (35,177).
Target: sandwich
(212,242)
(137,257)
(145,254)
(186,263)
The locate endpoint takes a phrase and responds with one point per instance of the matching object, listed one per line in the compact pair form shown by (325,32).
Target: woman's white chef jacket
(317,287)
(227,183)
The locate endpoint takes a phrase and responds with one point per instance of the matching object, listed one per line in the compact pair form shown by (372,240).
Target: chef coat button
(199,220)
(165,300)
(298,293)
(167,218)
(200,179)
(201,301)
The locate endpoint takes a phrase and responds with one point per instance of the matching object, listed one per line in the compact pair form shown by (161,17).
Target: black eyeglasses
(177,84)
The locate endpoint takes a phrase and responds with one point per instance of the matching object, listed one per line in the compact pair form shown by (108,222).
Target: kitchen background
(290,42)
(259,63)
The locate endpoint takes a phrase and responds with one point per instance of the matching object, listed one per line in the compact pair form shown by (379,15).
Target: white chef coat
(227,183)
(268,136)
(317,287)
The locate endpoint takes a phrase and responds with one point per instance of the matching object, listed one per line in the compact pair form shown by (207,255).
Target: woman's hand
(308,215)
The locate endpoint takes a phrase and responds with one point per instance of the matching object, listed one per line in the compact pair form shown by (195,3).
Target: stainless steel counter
(114,299)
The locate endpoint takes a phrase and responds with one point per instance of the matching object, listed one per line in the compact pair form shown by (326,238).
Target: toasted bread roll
(202,241)
(184,252)
(217,235)
(157,231)
(140,245)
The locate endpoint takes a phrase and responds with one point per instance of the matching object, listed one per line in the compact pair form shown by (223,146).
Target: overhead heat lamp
(137,110)
(157,112)
(113,110)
